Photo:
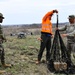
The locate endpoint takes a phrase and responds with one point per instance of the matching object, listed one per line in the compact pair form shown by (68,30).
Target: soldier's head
(71,19)
(1,17)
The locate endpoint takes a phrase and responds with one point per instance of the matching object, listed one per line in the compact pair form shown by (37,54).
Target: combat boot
(6,65)
(2,71)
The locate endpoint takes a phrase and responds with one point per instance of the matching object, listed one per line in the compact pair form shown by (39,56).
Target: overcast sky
(32,11)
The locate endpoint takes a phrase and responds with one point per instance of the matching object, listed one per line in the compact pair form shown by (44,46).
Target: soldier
(2,39)
(70,34)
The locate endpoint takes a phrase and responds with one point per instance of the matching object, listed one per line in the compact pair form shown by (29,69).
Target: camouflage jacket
(2,38)
(70,31)
(69,28)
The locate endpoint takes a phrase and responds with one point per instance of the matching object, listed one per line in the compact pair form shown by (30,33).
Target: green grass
(22,53)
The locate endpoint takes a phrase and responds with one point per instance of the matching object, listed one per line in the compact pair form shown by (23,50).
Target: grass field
(22,54)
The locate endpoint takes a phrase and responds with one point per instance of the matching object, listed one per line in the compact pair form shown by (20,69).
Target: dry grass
(22,53)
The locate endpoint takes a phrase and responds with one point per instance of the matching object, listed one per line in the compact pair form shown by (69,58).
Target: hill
(27,28)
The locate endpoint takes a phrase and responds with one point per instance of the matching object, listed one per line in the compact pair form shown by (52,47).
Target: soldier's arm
(72,33)
(63,28)
(4,38)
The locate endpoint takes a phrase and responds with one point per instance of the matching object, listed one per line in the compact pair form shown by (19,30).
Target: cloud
(34,9)
(13,6)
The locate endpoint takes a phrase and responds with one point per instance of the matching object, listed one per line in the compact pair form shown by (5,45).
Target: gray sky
(32,11)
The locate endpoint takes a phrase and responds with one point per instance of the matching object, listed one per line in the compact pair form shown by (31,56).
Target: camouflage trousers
(2,54)
(70,45)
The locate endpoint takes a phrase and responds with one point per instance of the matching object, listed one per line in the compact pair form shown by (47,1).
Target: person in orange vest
(46,34)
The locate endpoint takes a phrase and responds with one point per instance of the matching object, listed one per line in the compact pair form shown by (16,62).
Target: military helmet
(71,16)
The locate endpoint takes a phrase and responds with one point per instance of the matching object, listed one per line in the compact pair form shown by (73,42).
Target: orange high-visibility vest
(46,23)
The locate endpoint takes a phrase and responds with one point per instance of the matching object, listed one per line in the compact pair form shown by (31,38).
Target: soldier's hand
(56,28)
(63,35)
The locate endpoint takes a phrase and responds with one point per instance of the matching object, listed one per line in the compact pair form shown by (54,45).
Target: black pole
(57,21)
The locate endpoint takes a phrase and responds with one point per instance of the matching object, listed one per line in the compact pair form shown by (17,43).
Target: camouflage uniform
(70,31)
(1,46)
